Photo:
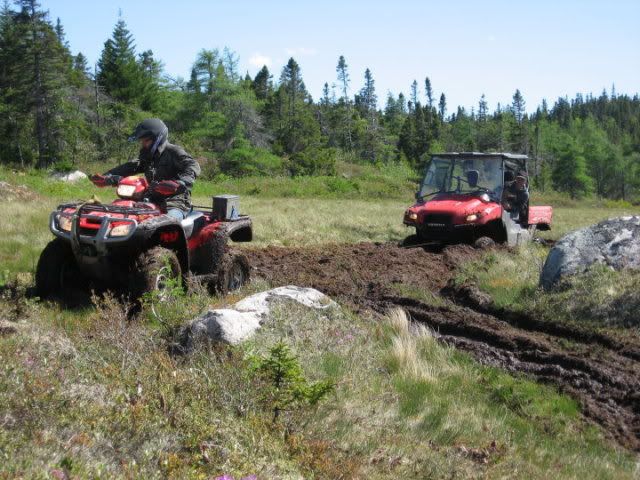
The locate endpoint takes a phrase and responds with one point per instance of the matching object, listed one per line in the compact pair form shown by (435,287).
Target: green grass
(351,182)
(408,407)
(93,395)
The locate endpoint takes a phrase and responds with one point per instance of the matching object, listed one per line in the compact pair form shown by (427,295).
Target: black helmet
(149,128)
(153,128)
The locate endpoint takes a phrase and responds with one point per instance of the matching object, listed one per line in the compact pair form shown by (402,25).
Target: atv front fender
(167,232)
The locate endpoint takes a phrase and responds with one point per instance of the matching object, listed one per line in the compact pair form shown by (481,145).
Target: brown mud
(601,372)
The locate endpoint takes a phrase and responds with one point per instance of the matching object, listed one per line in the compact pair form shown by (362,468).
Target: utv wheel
(410,241)
(155,272)
(57,274)
(233,273)
(483,243)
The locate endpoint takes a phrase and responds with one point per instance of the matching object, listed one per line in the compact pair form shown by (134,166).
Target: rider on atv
(169,170)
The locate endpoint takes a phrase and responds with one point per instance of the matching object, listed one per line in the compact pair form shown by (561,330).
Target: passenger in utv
(169,170)
(516,197)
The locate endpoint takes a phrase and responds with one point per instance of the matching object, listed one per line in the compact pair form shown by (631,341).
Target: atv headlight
(471,218)
(121,230)
(64,223)
(126,191)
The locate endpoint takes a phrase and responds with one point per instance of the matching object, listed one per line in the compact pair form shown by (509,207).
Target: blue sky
(545,48)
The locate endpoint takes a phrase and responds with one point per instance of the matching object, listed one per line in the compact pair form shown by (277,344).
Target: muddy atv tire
(57,274)
(233,273)
(483,243)
(153,272)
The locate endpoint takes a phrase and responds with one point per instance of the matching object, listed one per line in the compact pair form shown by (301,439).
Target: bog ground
(432,378)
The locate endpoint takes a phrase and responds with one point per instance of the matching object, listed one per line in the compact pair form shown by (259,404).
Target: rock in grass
(614,242)
(70,177)
(238,323)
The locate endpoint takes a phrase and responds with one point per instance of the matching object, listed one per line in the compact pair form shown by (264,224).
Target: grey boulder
(239,322)
(70,177)
(614,243)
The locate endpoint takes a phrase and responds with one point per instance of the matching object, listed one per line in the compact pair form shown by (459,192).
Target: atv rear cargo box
(226,207)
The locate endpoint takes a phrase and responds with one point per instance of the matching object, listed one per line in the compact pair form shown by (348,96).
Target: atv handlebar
(166,188)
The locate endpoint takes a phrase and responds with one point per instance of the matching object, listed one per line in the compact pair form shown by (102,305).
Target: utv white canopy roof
(509,156)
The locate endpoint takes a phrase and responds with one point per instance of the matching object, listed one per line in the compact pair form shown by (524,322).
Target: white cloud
(258,60)
(301,51)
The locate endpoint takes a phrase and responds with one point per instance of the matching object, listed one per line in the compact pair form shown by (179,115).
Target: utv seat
(192,223)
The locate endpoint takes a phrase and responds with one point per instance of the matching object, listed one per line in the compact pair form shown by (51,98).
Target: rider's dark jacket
(170,162)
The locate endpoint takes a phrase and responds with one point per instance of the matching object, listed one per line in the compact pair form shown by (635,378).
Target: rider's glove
(98,180)
(166,188)
(105,180)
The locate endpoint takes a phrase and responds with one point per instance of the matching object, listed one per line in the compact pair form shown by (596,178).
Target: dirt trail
(602,373)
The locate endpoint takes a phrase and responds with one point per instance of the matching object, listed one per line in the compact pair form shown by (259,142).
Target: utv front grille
(437,220)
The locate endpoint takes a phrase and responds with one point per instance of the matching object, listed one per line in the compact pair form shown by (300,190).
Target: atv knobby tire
(152,272)
(233,272)
(57,273)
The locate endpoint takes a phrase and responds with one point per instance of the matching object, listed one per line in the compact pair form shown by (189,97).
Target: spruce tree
(262,84)
(368,97)
(345,102)
(442,106)
(368,102)
(482,109)
(518,106)
(428,92)
(292,95)
(119,73)
(42,71)
(414,93)
(343,77)
(81,64)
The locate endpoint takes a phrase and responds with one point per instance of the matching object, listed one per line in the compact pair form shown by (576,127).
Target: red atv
(133,246)
(465,197)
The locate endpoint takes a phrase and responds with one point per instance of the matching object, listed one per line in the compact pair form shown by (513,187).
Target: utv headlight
(411,215)
(471,218)
(121,230)
(64,223)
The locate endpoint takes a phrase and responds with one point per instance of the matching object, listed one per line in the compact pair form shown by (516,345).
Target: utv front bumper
(448,232)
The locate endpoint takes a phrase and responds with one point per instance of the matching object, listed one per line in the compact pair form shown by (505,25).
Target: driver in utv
(169,170)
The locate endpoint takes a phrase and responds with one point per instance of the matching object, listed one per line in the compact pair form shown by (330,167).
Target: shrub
(616,204)
(313,161)
(246,160)
(285,386)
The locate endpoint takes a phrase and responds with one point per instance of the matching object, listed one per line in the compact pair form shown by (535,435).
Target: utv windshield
(462,175)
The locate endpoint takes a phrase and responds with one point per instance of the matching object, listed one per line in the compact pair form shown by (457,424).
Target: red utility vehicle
(466,197)
(133,246)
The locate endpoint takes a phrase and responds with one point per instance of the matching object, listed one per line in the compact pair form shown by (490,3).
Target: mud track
(601,372)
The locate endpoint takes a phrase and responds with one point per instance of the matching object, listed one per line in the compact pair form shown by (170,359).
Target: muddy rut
(601,372)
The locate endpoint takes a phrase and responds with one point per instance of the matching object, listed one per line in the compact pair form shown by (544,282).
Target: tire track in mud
(601,372)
